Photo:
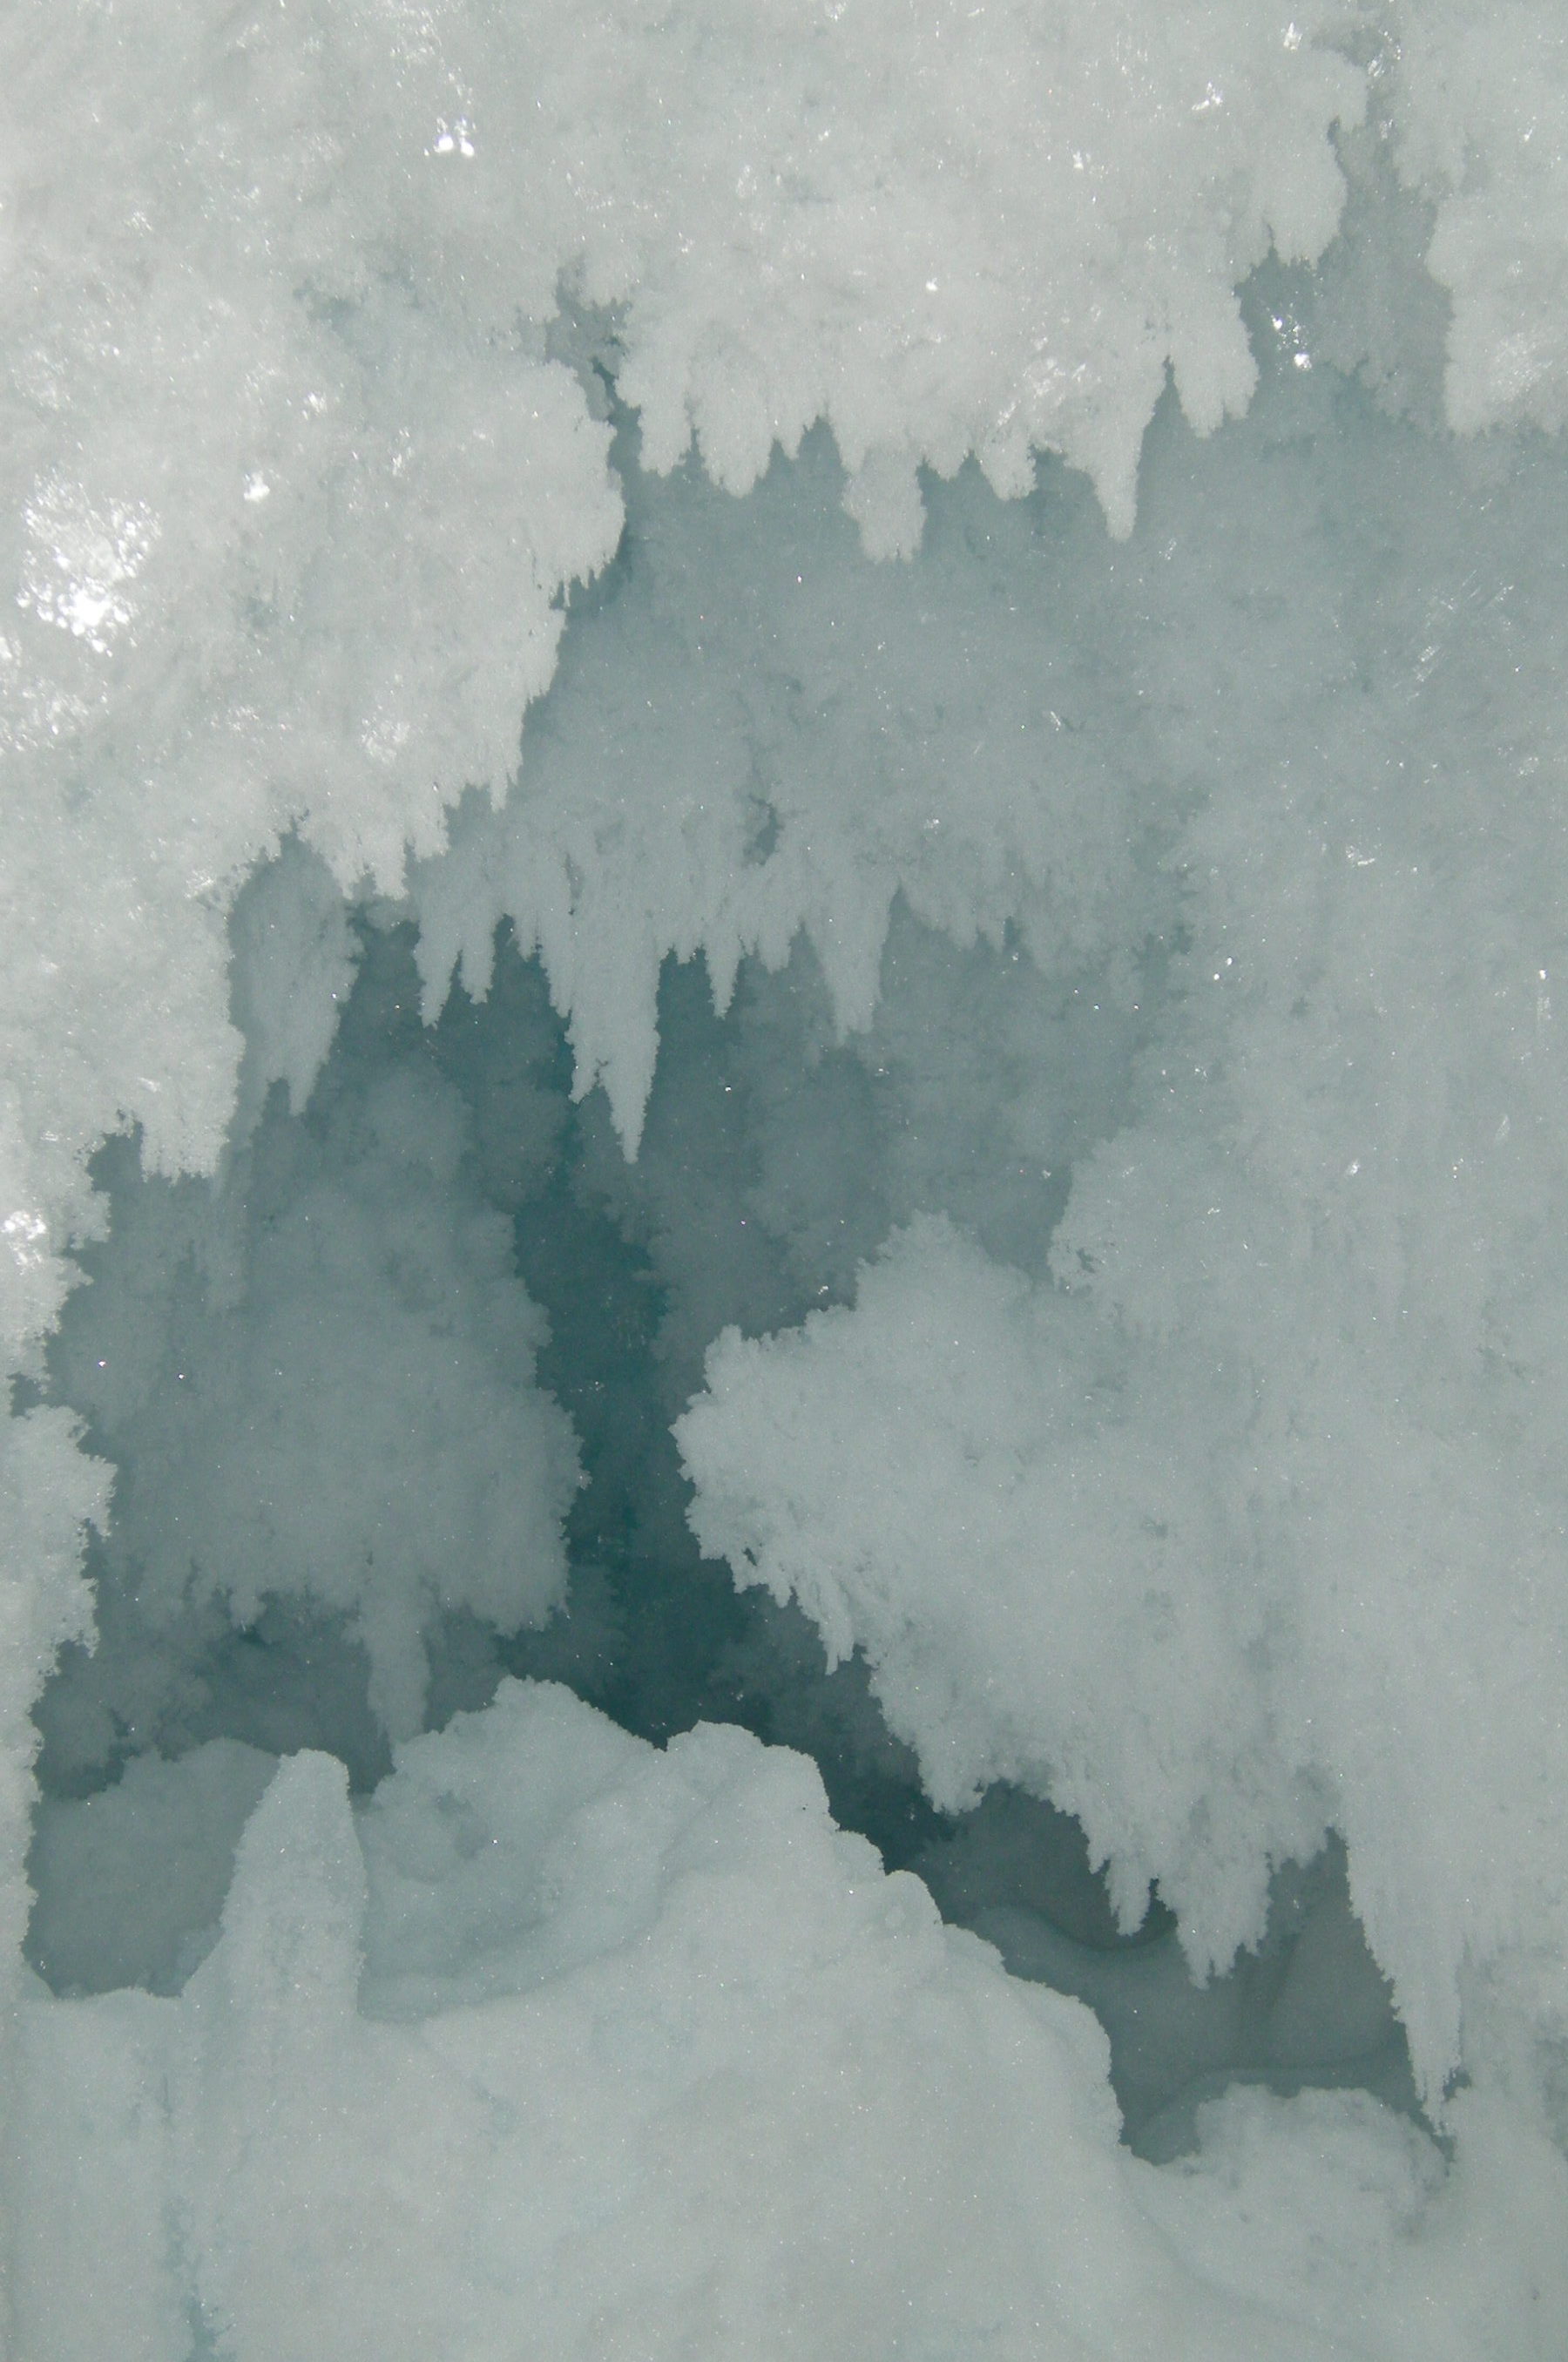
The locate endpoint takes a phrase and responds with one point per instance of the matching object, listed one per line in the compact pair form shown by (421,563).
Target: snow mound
(564,2047)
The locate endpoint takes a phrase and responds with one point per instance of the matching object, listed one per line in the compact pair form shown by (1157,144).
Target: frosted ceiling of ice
(285,438)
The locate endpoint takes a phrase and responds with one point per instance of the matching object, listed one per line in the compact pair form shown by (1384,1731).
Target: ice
(1289,1370)
(294,960)
(563,2045)
(130,1882)
(1306,2007)
(296,481)
(50,1492)
(940,1477)
(1480,131)
(822,740)
(317,1382)
(951,625)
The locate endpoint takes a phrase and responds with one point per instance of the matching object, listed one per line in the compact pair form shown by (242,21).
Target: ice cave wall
(309,320)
